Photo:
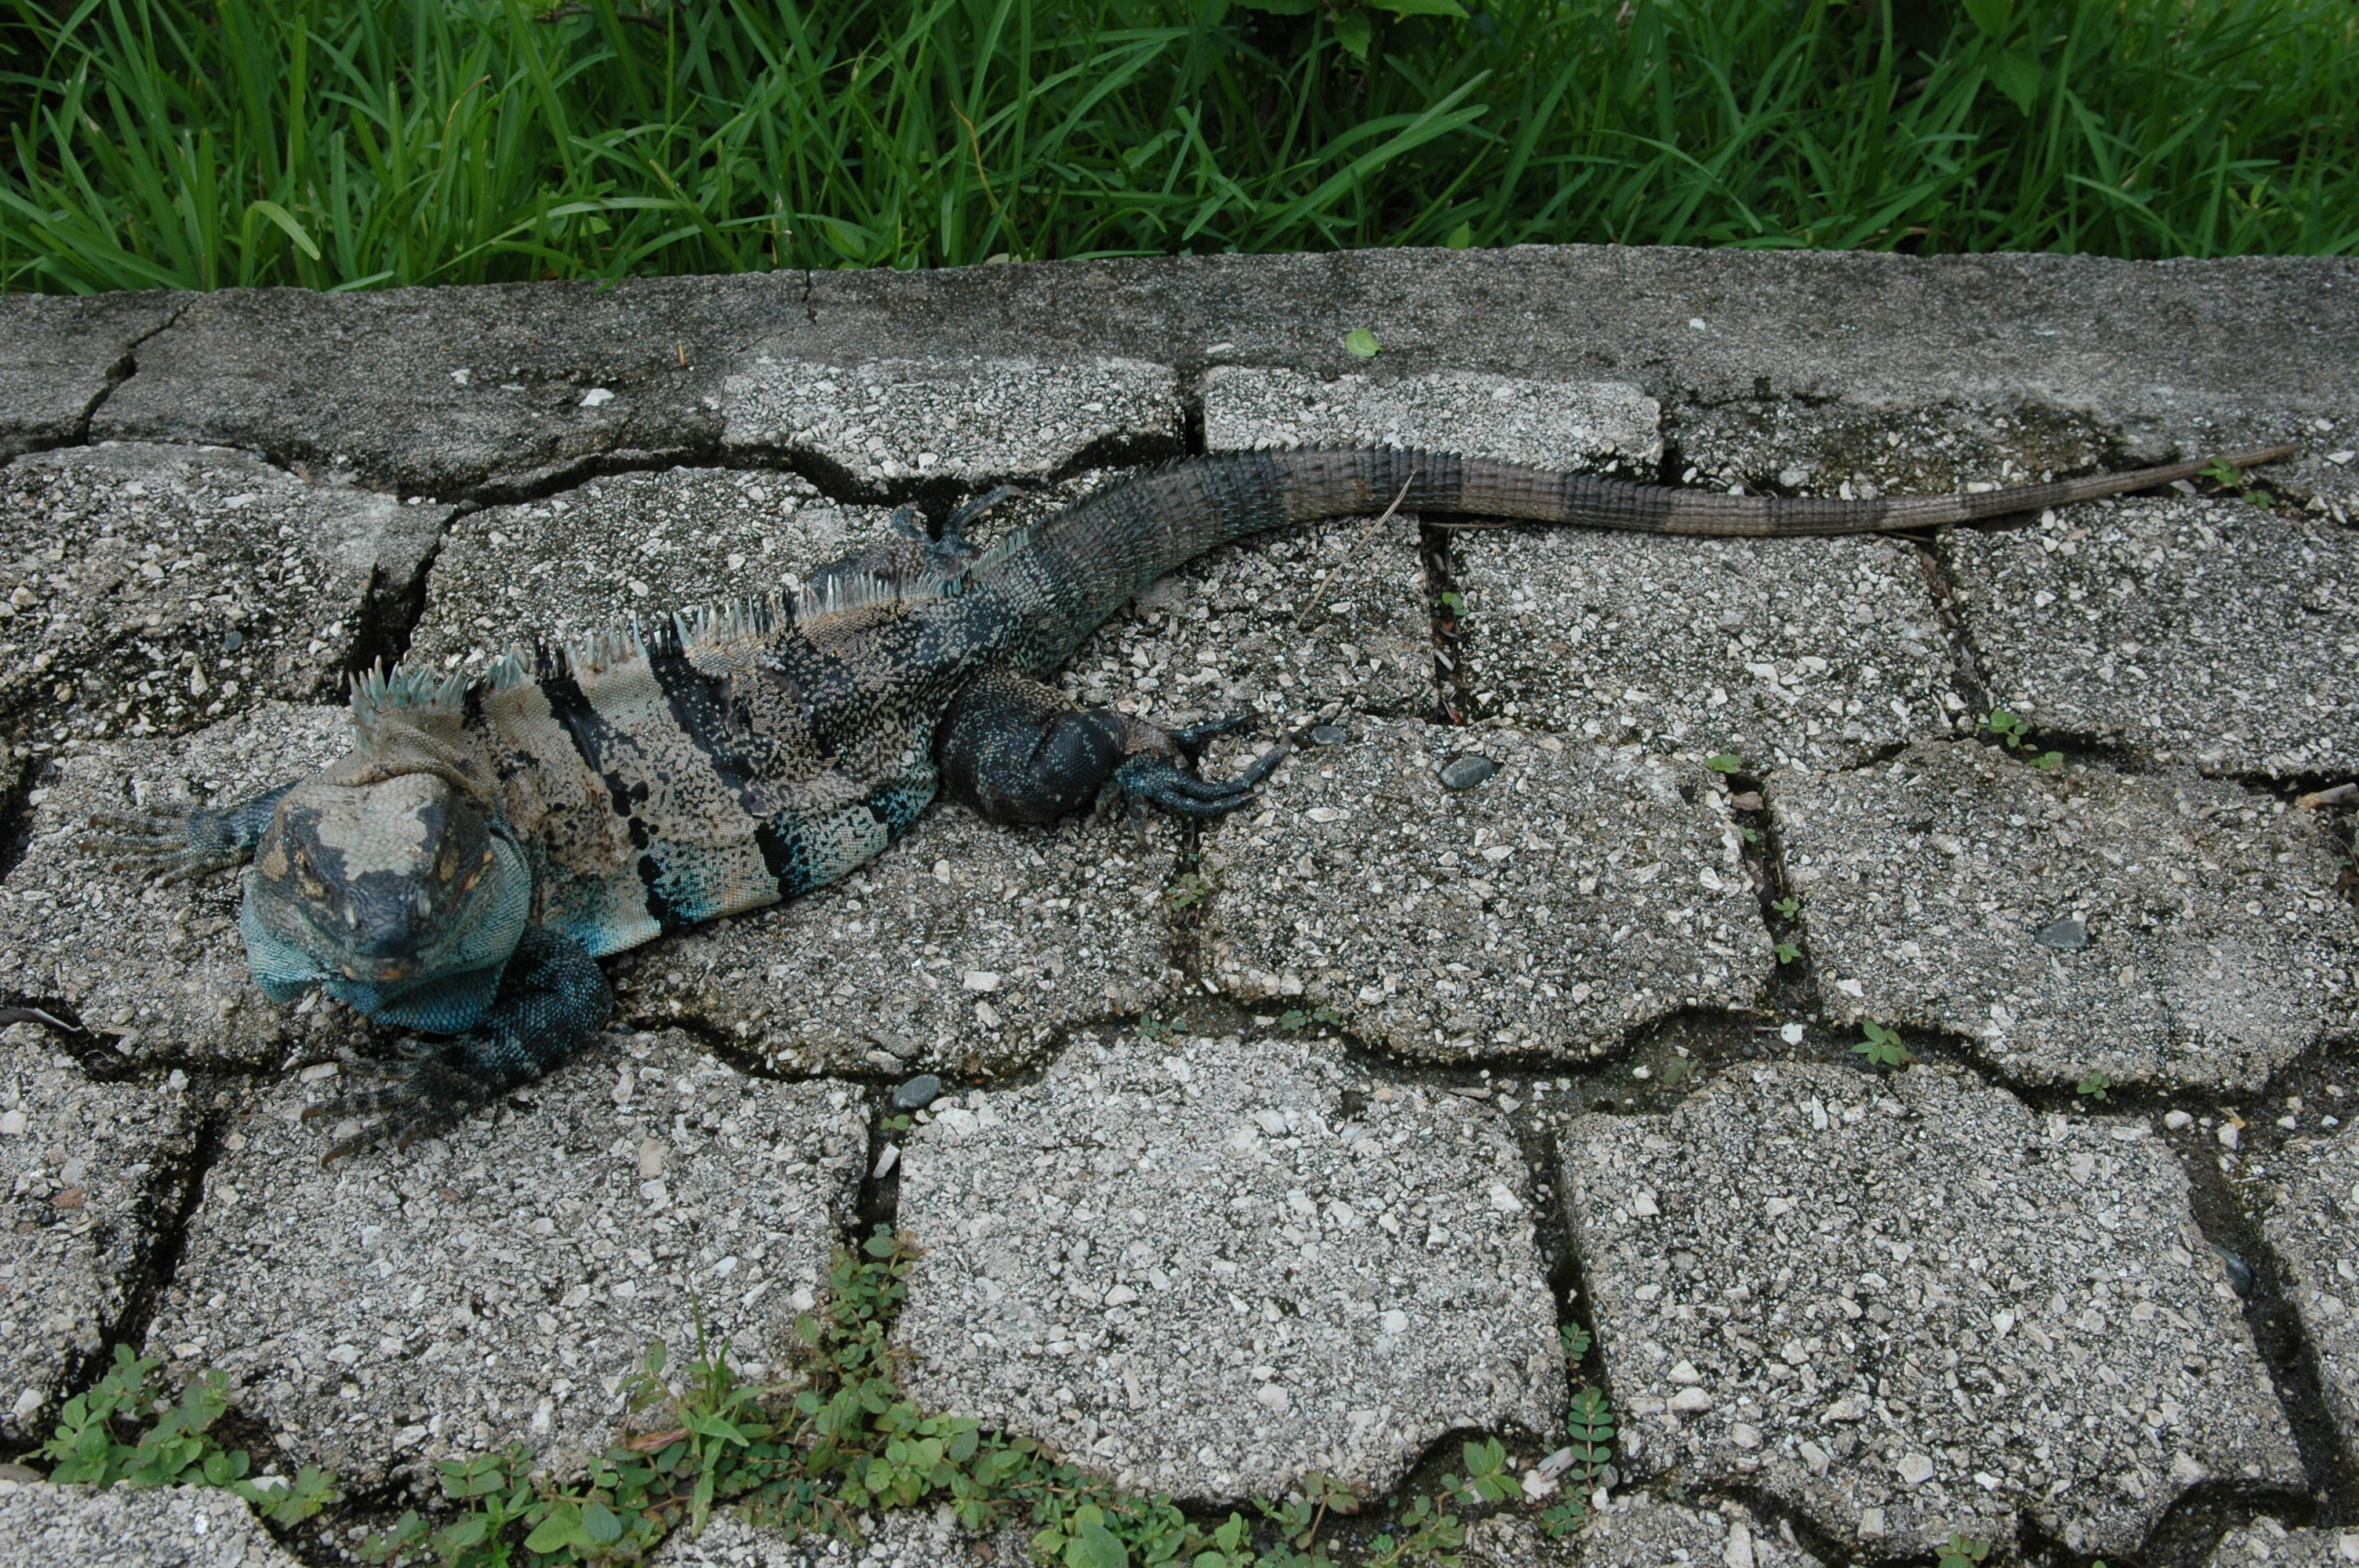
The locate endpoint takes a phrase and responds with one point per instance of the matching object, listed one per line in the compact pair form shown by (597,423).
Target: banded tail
(1080,567)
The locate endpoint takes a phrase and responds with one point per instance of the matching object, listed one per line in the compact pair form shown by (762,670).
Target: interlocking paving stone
(968,946)
(43,1526)
(490,393)
(497,1283)
(628,546)
(87,1166)
(1814,651)
(2195,630)
(965,419)
(161,968)
(153,587)
(1208,1267)
(60,356)
(2312,1224)
(1640,1532)
(2265,1542)
(901,1540)
(1924,1308)
(1576,895)
(1609,427)
(2170,930)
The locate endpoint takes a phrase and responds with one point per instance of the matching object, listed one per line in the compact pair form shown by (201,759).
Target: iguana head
(386,880)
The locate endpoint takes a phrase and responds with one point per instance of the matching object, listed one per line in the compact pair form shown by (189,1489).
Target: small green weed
(1429,1533)
(1725,763)
(1962,1553)
(1362,342)
(1677,1071)
(1153,1028)
(176,1450)
(1576,1344)
(1454,601)
(2227,478)
(2092,1086)
(1882,1048)
(1589,1424)
(1295,1018)
(1192,889)
(1786,952)
(1489,1477)
(1788,907)
(2010,730)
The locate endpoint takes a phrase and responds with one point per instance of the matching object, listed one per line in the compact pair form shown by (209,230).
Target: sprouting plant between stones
(178,1448)
(1882,1048)
(1961,1552)
(1295,1018)
(2092,1086)
(1725,763)
(2009,730)
(2229,479)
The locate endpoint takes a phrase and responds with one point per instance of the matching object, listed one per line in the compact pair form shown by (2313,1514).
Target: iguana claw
(419,1100)
(170,846)
(1162,782)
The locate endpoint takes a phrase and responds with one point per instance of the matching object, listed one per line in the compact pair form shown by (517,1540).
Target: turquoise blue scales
(486,842)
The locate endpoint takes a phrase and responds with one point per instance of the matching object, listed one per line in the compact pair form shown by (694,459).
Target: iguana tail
(1076,568)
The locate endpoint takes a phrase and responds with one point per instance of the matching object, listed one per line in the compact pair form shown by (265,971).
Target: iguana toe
(422,1098)
(1162,782)
(170,846)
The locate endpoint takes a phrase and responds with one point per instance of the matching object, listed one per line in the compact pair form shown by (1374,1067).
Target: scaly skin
(461,872)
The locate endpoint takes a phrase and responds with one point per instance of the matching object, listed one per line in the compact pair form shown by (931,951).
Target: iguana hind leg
(1018,751)
(175,845)
(552,1001)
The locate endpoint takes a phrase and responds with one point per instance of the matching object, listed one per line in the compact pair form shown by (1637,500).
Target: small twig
(37,1016)
(975,143)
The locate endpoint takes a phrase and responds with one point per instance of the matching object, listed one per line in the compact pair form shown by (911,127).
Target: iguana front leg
(174,846)
(1018,751)
(552,1001)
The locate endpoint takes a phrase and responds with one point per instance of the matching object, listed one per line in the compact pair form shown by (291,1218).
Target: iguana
(488,842)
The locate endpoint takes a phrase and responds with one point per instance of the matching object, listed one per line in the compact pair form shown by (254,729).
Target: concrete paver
(1575,896)
(2266,1542)
(154,588)
(88,1166)
(2311,1221)
(1208,1267)
(2189,631)
(60,355)
(500,1283)
(43,1526)
(2170,929)
(1924,1309)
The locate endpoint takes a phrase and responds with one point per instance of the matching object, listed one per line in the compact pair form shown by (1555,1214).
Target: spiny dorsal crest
(422,698)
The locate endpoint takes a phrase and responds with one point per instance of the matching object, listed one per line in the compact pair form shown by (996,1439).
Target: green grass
(368,143)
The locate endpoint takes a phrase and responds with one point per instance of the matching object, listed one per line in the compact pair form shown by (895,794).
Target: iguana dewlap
(488,842)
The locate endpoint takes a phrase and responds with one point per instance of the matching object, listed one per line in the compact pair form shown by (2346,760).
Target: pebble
(1329,735)
(918,1093)
(1466,772)
(2067,933)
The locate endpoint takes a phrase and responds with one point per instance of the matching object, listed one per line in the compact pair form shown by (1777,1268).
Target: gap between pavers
(1208,1267)
(2205,631)
(501,1283)
(1556,904)
(88,1167)
(155,588)
(1924,1309)
(2168,930)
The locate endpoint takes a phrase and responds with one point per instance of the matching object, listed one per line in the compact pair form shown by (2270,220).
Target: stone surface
(1574,898)
(628,546)
(1608,427)
(2311,1221)
(967,420)
(488,393)
(2266,1542)
(2191,631)
(43,1526)
(909,1540)
(497,1284)
(1805,652)
(968,947)
(1923,1309)
(59,357)
(1640,1532)
(153,587)
(1207,1267)
(1286,627)
(2216,944)
(159,972)
(93,1175)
